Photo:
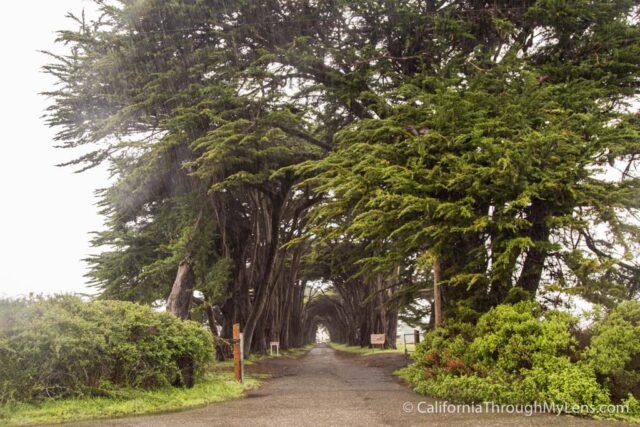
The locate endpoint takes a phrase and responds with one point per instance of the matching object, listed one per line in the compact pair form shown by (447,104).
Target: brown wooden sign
(237,353)
(377,339)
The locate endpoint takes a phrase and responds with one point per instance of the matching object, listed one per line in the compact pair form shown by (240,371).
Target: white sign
(275,344)
(377,339)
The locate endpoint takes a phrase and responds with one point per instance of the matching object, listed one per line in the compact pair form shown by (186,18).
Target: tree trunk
(179,301)
(392,329)
(223,350)
(264,290)
(534,262)
(178,304)
(437,298)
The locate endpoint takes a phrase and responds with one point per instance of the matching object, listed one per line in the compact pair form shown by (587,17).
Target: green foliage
(64,347)
(444,349)
(479,133)
(464,389)
(516,354)
(520,354)
(557,379)
(496,167)
(510,338)
(614,351)
(198,140)
(216,280)
(215,387)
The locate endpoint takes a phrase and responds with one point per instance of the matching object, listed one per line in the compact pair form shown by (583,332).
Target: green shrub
(614,351)
(510,338)
(557,379)
(465,388)
(444,350)
(65,347)
(516,354)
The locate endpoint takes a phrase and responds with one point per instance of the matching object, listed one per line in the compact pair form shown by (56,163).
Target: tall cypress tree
(470,132)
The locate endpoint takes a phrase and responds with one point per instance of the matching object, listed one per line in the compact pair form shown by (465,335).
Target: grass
(406,374)
(217,386)
(292,353)
(365,351)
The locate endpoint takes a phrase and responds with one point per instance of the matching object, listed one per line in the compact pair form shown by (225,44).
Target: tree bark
(437,298)
(179,301)
(536,256)
(223,350)
(268,283)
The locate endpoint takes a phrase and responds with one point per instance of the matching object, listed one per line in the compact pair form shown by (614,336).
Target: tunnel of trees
(285,163)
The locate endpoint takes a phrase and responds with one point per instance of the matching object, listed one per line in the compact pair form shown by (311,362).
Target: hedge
(66,347)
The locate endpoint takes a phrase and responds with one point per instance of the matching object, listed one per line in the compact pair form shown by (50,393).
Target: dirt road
(329,388)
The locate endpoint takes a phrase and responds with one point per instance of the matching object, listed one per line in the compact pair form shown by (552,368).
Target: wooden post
(437,299)
(237,356)
(416,336)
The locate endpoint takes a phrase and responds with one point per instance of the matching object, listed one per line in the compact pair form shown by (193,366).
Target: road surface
(329,388)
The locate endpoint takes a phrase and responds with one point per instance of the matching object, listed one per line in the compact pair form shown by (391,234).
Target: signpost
(275,344)
(377,339)
(238,362)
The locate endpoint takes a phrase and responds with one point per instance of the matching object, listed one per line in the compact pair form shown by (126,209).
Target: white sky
(46,212)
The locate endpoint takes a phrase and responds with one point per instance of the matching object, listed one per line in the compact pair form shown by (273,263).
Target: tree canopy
(259,147)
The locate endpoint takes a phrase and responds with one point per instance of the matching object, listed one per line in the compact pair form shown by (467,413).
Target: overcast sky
(46,212)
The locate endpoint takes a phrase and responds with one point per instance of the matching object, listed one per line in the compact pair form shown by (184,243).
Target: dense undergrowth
(63,347)
(64,359)
(522,354)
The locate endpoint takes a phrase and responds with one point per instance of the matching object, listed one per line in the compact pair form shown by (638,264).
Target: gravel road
(329,388)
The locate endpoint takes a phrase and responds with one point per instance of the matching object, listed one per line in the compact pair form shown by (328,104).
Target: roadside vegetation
(521,354)
(64,359)
(214,387)
(364,351)
(63,347)
(291,353)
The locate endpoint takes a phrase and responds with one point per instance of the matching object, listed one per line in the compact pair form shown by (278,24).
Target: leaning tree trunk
(179,301)
(178,304)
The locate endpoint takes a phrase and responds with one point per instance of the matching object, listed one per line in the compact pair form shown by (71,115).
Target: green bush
(614,351)
(64,347)
(465,388)
(444,351)
(516,354)
(557,379)
(510,338)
